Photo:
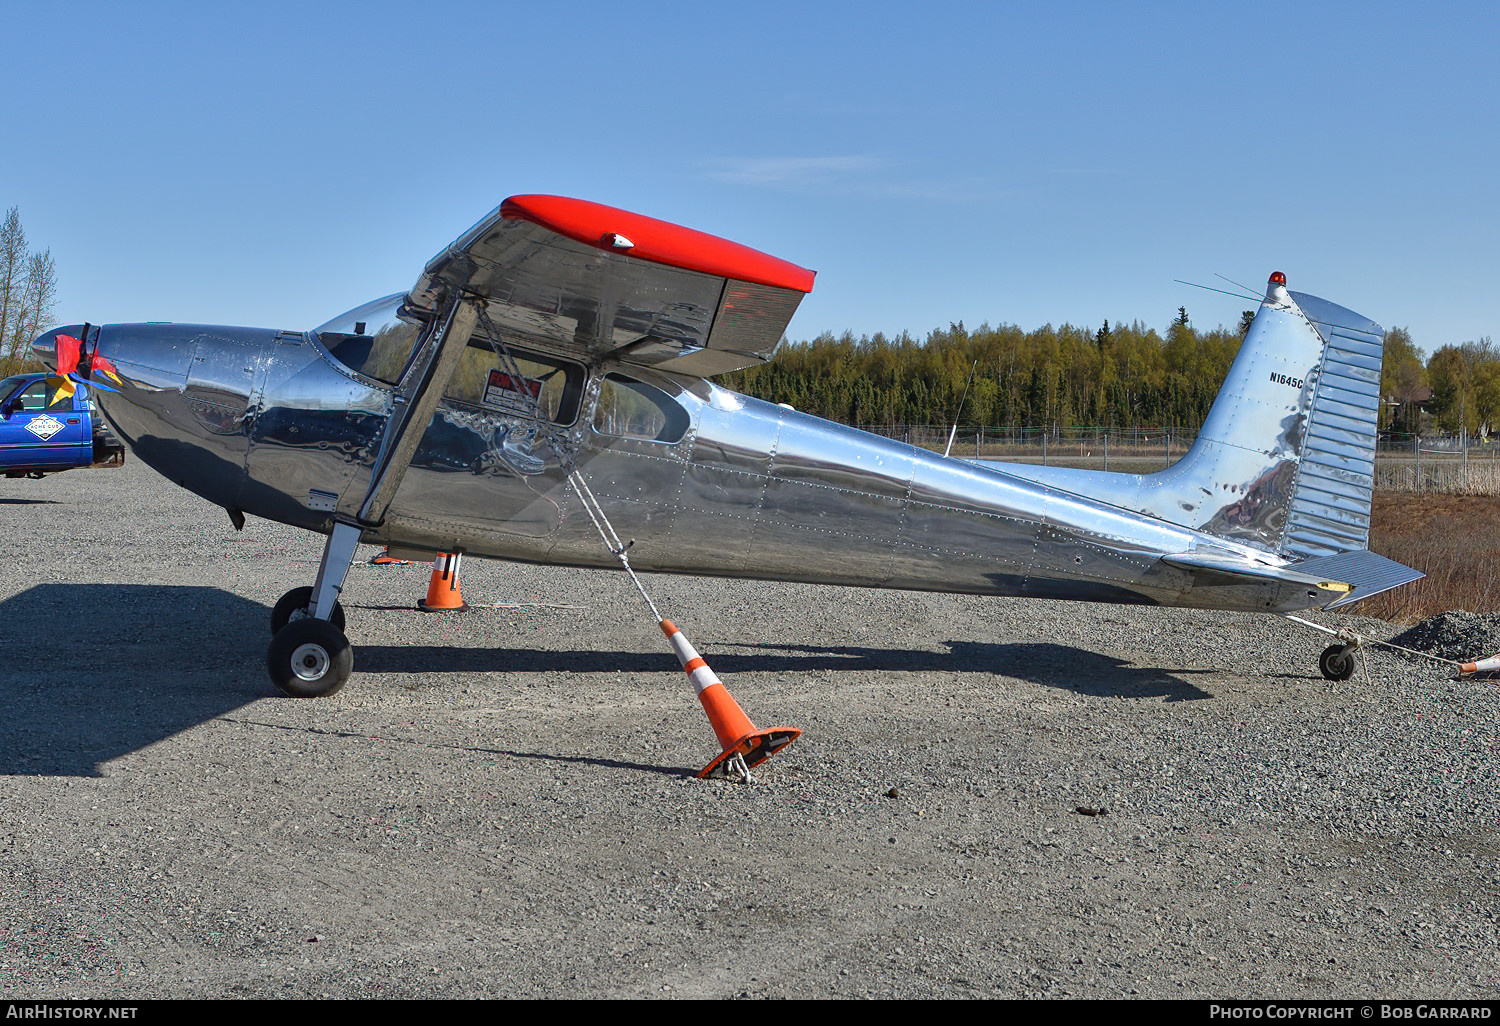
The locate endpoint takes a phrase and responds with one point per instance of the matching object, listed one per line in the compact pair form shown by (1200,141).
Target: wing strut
(417,396)
(421,387)
(744,745)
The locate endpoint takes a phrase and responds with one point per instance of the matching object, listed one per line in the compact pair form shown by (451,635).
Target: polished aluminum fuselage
(268,423)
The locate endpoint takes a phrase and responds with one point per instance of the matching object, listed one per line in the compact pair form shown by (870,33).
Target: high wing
(592,282)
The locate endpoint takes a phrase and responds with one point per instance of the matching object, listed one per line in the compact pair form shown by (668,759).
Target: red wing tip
(647,238)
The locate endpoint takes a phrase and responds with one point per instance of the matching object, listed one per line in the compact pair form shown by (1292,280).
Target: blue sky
(274,164)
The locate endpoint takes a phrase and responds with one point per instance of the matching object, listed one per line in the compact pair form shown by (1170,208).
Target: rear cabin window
(633,409)
(534,382)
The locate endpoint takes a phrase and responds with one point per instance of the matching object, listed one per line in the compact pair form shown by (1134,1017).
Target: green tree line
(1120,375)
(1113,376)
(1464,383)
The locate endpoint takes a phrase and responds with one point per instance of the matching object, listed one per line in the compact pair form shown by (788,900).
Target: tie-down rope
(565,455)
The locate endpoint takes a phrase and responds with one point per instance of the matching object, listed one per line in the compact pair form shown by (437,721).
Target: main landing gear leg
(309,655)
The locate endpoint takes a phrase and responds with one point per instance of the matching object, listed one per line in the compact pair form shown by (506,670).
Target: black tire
(309,658)
(1337,662)
(293,605)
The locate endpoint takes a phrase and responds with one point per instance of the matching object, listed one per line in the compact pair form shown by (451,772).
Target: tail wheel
(309,658)
(1337,662)
(293,606)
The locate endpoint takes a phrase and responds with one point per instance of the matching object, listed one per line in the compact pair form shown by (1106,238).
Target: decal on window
(511,395)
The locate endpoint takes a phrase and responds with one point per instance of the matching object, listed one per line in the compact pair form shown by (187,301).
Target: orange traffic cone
(442,590)
(384,558)
(737,735)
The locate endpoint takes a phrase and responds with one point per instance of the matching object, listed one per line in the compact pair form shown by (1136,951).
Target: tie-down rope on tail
(1359,641)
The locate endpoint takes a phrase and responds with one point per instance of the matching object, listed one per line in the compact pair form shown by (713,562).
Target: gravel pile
(1454,635)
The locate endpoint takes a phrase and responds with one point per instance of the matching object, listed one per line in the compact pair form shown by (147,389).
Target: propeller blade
(61,385)
(69,351)
(103,366)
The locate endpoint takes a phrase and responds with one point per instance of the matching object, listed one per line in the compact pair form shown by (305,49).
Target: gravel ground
(992,797)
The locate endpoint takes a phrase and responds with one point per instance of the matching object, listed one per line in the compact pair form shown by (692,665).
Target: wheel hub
(310,662)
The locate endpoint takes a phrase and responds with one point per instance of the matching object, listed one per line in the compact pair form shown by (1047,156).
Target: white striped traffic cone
(737,735)
(443,593)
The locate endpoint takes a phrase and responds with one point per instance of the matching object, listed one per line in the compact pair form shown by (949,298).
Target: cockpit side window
(484,380)
(633,409)
(375,339)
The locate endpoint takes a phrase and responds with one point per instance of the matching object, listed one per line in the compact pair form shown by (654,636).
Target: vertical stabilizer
(1285,459)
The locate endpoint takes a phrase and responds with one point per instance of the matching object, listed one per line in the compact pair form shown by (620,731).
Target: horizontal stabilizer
(1208,570)
(1369,573)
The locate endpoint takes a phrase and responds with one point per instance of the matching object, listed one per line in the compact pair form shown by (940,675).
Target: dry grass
(1454,539)
(1451,476)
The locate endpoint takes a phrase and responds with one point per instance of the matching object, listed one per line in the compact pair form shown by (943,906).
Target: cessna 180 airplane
(547,378)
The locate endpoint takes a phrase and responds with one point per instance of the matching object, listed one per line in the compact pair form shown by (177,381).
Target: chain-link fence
(1451,464)
(1457,464)
(1133,450)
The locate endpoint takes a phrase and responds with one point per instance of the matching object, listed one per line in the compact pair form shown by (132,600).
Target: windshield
(9,385)
(374,339)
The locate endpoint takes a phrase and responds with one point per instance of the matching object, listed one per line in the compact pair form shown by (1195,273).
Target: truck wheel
(309,658)
(1337,662)
(293,606)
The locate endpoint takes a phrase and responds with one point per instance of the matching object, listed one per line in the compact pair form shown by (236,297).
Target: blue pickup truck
(39,436)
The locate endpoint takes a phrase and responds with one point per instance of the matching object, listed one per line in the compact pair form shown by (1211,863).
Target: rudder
(1330,508)
(1285,459)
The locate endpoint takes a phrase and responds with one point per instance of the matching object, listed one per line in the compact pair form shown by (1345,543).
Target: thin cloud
(795,171)
(954,190)
(864,174)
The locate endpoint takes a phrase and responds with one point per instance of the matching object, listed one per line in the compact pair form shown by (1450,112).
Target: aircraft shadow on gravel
(1055,666)
(95,671)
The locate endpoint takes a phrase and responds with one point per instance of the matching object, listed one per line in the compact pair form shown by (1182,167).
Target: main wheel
(293,606)
(309,658)
(1337,662)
